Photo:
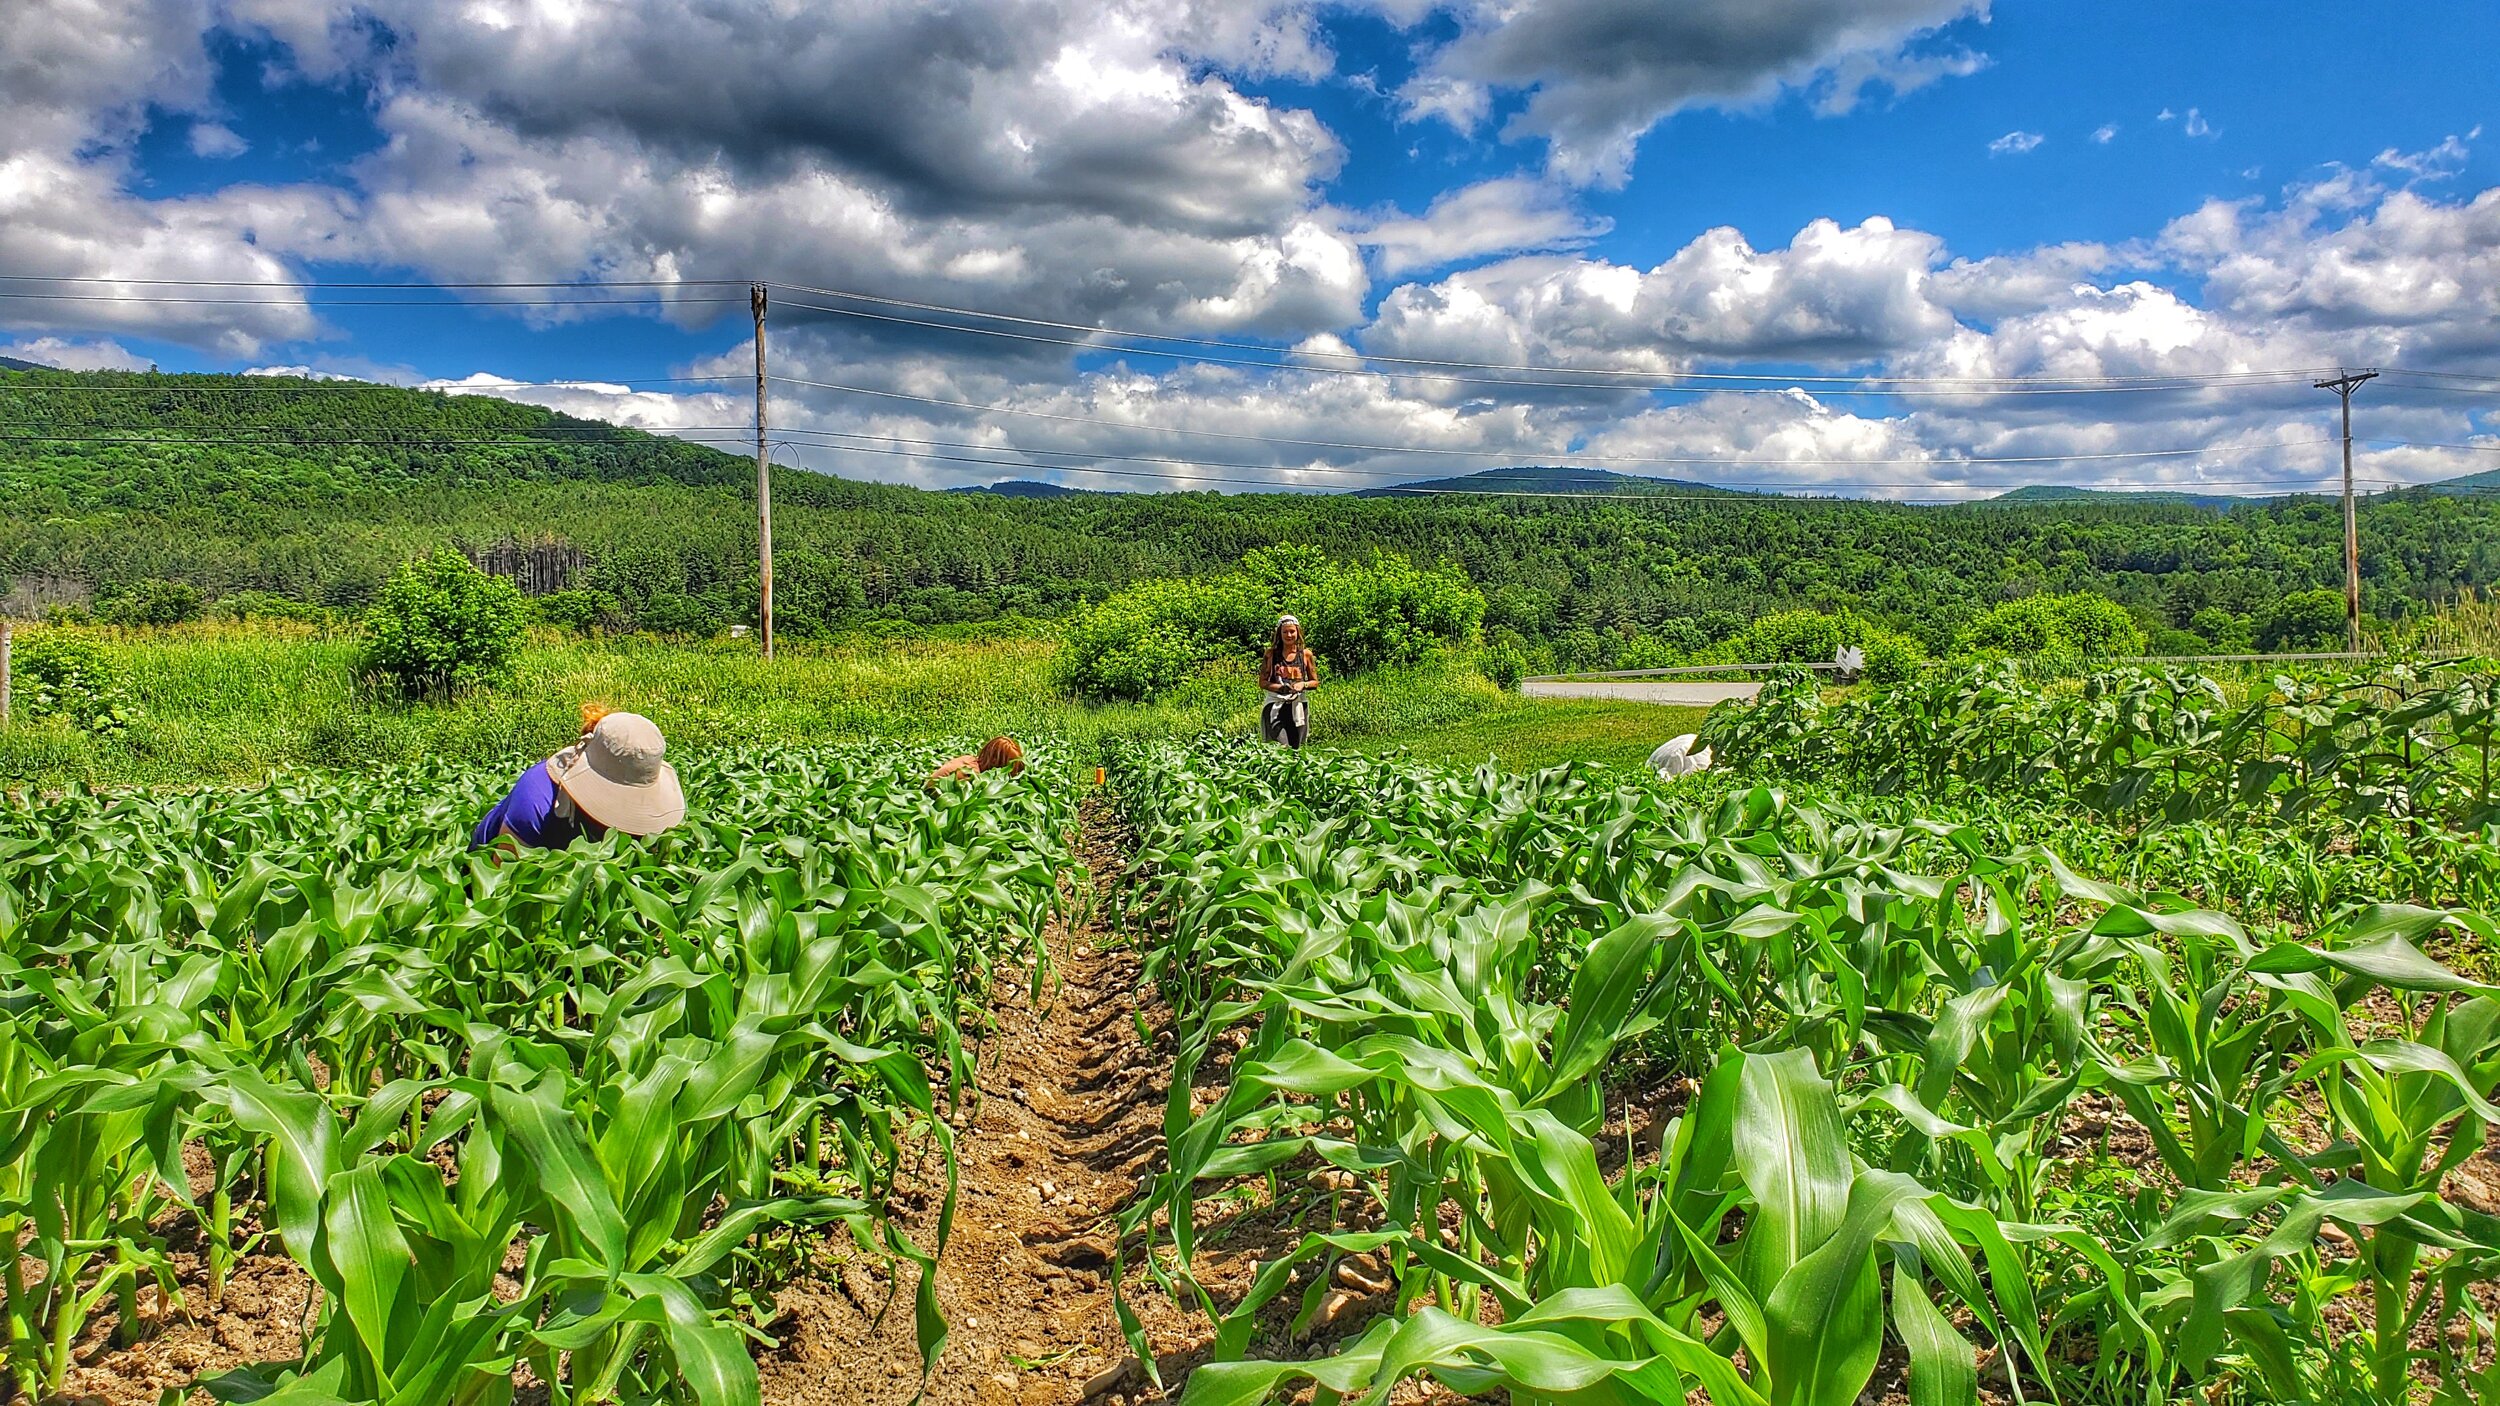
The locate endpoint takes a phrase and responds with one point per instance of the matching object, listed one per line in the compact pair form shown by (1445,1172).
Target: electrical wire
(351,283)
(151,300)
(1496,453)
(2167,382)
(283,385)
(1782,385)
(1409,473)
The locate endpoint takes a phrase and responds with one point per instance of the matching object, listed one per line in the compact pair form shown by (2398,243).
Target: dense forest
(272,490)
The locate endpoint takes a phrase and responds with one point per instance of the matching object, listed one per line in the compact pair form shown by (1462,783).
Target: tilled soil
(1067,1128)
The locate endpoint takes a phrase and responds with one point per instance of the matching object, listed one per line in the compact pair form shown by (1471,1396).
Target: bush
(72,680)
(1385,613)
(1505,666)
(2081,625)
(440,625)
(1144,641)
(2305,620)
(2226,632)
(2167,641)
(1648,652)
(688,616)
(150,603)
(1812,637)
(583,612)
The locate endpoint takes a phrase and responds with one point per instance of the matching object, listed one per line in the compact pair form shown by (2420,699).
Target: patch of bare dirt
(267,1302)
(1066,1130)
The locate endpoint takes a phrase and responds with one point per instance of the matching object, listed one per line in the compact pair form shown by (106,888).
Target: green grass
(233,703)
(1528,733)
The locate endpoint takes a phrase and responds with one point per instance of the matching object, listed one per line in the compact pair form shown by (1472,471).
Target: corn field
(561,1113)
(1911,1061)
(2411,745)
(1566,1086)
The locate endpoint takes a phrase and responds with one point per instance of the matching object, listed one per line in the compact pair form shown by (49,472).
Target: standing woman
(1287,672)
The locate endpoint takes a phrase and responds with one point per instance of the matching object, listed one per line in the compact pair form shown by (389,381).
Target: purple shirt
(533,816)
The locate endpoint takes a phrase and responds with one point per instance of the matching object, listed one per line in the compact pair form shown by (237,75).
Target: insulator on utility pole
(2344,386)
(763,481)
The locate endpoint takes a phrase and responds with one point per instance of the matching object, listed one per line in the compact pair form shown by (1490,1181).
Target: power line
(312,435)
(1798,493)
(284,437)
(153,300)
(285,385)
(351,283)
(1715,384)
(2157,382)
(1408,473)
(1500,453)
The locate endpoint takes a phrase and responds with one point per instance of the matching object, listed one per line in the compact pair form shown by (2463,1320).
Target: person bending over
(995,753)
(611,778)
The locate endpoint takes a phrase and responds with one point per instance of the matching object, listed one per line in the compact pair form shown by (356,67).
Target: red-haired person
(995,753)
(1286,672)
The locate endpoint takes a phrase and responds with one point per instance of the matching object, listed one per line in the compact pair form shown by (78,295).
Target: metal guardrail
(1683,670)
(1688,670)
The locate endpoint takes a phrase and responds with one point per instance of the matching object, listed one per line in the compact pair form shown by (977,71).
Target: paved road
(1688,694)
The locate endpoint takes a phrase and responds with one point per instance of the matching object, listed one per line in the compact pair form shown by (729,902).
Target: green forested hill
(314,492)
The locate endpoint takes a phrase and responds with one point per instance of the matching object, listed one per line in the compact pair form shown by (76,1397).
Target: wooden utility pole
(2344,386)
(763,479)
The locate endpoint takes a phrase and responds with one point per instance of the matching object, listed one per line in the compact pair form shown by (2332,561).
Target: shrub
(150,603)
(1648,652)
(1384,613)
(1813,637)
(1143,641)
(1505,666)
(690,616)
(2305,620)
(70,679)
(581,611)
(2069,626)
(2226,632)
(2169,641)
(440,625)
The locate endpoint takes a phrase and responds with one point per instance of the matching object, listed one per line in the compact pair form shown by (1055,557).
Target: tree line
(160,495)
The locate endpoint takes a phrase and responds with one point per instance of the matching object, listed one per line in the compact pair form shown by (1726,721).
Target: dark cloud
(1599,73)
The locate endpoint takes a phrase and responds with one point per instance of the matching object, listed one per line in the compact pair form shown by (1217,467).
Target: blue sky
(1948,197)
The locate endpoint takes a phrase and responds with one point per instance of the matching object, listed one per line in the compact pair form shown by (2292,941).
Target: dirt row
(1063,1131)
(1067,1127)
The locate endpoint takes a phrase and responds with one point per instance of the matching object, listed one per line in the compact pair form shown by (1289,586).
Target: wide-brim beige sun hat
(617,777)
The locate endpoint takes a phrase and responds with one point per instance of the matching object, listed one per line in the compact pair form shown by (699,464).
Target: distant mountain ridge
(10,363)
(2488,481)
(1549,479)
(1021,488)
(2039,493)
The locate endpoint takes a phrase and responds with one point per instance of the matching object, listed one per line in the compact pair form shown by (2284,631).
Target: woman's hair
(591,714)
(998,752)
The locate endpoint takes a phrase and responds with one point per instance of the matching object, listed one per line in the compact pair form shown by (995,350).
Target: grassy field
(233,703)
(1528,733)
